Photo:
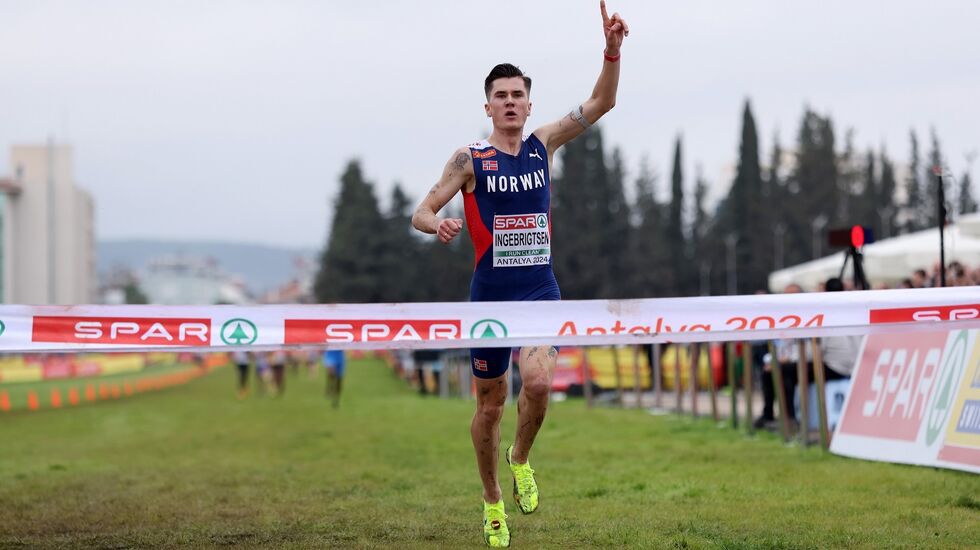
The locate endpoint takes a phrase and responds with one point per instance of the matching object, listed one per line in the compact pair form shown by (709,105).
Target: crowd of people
(270,370)
(957,274)
(839,353)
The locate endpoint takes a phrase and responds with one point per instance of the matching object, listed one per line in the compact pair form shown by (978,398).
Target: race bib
(521,240)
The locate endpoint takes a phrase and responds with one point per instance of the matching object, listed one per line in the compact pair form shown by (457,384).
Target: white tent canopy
(890,260)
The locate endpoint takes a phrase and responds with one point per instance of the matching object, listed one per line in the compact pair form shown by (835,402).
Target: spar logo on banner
(918,314)
(893,386)
(155,331)
(946,386)
(488,328)
(319,331)
(239,332)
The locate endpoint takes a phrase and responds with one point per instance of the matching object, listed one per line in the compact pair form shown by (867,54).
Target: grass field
(191,466)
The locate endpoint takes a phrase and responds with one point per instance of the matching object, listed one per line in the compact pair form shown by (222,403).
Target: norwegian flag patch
(490,166)
(480,364)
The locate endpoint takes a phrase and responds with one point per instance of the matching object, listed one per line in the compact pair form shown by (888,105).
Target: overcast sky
(233,120)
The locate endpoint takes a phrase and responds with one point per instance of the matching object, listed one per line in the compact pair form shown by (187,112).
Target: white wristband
(578,116)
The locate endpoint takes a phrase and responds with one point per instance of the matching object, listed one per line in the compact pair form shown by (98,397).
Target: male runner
(506,185)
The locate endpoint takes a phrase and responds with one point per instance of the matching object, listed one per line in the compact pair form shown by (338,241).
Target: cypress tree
(930,201)
(402,277)
(867,213)
(813,186)
(676,242)
(745,217)
(888,208)
(913,210)
(699,231)
(350,264)
(615,233)
(965,201)
(651,272)
(580,212)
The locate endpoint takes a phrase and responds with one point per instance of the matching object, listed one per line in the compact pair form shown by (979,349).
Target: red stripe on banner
(925,313)
(155,331)
(960,455)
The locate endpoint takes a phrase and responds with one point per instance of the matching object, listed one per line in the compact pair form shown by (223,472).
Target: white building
(47,230)
(178,280)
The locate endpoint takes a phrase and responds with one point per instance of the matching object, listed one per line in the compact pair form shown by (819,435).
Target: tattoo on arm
(458,164)
(552,352)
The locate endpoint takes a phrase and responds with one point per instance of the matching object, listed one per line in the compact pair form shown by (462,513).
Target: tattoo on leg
(552,352)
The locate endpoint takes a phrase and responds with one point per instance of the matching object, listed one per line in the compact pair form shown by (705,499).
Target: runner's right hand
(449,228)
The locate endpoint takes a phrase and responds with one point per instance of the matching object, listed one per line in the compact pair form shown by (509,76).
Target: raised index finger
(605,16)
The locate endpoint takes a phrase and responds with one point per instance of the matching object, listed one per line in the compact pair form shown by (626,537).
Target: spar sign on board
(962,442)
(909,395)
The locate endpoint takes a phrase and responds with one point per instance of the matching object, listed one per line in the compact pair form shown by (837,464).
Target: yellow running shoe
(495,525)
(525,489)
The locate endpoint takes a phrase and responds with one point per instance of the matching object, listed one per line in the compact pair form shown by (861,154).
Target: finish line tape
(485,324)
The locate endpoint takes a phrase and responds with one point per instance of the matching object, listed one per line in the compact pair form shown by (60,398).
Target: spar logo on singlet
(521,240)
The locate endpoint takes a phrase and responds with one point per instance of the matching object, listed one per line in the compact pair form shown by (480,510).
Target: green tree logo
(542,221)
(3,327)
(488,328)
(239,332)
(946,382)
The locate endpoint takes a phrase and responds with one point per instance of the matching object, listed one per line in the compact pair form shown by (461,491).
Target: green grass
(191,466)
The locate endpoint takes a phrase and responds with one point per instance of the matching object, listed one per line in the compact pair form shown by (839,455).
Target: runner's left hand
(615,29)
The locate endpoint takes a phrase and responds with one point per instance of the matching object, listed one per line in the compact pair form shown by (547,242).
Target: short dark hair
(834,284)
(505,70)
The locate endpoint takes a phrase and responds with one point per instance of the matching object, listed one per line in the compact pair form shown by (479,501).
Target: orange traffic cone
(55,398)
(4,401)
(73,396)
(32,403)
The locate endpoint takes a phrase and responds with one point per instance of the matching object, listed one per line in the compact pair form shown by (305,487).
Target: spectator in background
(334,363)
(840,356)
(242,360)
(839,353)
(277,362)
(919,278)
(960,277)
(263,373)
(787,353)
(431,359)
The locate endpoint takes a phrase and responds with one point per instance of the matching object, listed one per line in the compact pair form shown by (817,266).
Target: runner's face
(508,104)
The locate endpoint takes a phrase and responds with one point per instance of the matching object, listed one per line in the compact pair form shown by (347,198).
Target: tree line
(776,214)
